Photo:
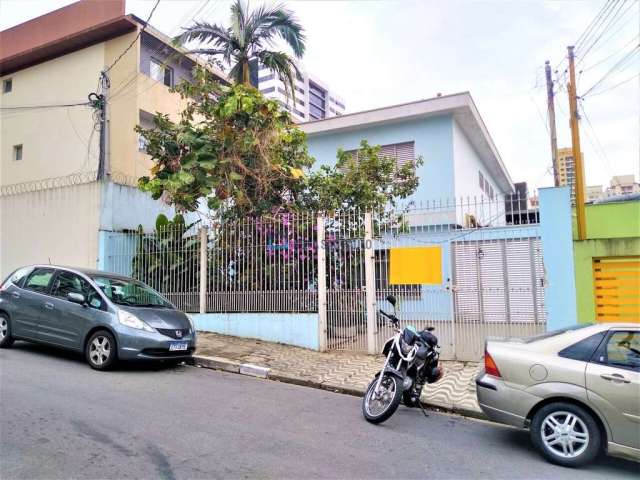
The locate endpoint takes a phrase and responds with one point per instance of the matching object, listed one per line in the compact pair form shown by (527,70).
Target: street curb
(220,363)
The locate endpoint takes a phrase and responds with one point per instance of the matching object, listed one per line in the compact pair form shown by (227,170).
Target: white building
(623,184)
(314,100)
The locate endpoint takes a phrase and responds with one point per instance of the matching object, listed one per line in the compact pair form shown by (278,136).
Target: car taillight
(490,366)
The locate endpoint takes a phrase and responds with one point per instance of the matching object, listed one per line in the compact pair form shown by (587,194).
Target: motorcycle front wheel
(379,406)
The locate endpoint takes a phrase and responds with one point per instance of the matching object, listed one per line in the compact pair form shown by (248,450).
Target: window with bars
(402,153)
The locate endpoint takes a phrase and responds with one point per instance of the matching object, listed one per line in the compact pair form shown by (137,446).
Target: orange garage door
(616,282)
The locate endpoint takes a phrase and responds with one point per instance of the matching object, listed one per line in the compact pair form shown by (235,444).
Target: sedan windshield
(123,291)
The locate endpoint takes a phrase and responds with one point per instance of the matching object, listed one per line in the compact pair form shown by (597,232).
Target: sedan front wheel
(566,434)
(100,350)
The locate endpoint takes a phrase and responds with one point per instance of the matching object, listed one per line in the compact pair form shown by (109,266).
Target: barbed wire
(80,178)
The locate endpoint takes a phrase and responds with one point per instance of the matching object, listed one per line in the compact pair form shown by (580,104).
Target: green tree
(250,38)
(366,181)
(231,146)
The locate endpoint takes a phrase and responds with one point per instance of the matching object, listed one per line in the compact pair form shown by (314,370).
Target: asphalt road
(60,419)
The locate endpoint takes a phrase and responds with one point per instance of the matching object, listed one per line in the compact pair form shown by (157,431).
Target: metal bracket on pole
(203,269)
(322,286)
(370,279)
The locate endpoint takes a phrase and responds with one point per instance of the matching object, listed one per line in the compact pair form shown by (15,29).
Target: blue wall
(557,250)
(125,207)
(433,139)
(116,251)
(436,302)
(299,329)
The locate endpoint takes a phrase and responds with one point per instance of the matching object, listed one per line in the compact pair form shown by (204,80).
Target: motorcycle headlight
(130,320)
(405,347)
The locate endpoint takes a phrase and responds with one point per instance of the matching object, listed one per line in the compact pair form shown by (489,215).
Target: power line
(120,89)
(618,65)
(135,39)
(618,14)
(615,86)
(587,31)
(599,149)
(34,107)
(610,56)
(609,37)
(599,29)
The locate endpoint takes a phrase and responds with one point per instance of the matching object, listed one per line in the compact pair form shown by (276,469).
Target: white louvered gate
(498,288)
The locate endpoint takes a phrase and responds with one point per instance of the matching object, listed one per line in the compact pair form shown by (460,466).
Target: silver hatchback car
(578,390)
(107,317)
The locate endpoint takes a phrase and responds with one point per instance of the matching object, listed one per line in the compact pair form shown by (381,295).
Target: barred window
(402,153)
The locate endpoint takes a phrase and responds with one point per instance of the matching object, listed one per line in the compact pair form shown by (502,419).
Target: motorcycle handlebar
(393,318)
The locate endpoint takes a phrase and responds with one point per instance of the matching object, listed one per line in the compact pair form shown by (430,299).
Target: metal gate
(492,285)
(498,290)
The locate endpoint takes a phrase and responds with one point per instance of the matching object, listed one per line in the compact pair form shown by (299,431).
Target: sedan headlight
(130,320)
(191,323)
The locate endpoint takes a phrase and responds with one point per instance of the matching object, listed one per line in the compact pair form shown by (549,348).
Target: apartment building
(59,194)
(566,169)
(311,100)
(623,185)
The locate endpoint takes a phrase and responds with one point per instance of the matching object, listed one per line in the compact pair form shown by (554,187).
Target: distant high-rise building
(566,170)
(594,192)
(622,185)
(314,100)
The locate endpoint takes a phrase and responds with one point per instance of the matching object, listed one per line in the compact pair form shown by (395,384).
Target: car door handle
(615,377)
(15,295)
(48,305)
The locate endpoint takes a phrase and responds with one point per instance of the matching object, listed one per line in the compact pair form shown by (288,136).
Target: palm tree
(249,38)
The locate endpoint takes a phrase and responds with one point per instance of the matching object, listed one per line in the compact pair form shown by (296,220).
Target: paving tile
(348,370)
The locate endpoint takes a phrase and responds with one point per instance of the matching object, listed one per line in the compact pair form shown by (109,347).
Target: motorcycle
(411,361)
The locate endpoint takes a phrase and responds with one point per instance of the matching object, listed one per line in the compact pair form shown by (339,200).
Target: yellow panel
(618,309)
(415,266)
(605,265)
(617,289)
(617,283)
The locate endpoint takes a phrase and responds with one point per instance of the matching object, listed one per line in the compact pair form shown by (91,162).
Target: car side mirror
(76,298)
(392,300)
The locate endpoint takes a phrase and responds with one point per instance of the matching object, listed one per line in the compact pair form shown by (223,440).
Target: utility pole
(104,163)
(575,147)
(552,123)
(106,85)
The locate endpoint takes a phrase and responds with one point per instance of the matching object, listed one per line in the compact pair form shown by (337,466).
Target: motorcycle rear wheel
(377,410)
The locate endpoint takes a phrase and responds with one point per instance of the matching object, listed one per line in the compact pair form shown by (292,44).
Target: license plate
(177,346)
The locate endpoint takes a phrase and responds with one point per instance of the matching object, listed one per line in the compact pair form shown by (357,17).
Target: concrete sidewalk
(345,372)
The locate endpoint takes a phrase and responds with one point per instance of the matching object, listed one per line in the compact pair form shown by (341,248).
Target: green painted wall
(613,230)
(611,220)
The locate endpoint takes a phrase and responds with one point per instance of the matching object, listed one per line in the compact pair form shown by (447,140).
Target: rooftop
(74,27)
(459,105)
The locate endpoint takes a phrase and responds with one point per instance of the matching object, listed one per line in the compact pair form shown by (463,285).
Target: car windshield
(553,333)
(124,291)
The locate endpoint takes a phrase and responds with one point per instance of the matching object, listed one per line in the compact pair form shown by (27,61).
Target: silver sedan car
(107,317)
(577,390)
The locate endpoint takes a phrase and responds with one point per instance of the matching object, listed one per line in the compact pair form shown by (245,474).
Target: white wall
(58,225)
(473,200)
(467,164)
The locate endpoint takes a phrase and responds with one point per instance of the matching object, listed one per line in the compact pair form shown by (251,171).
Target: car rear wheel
(566,434)
(6,340)
(100,350)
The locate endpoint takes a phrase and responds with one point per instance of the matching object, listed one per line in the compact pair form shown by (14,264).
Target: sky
(384,52)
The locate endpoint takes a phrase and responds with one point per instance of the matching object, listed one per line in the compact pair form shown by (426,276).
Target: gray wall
(152,47)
